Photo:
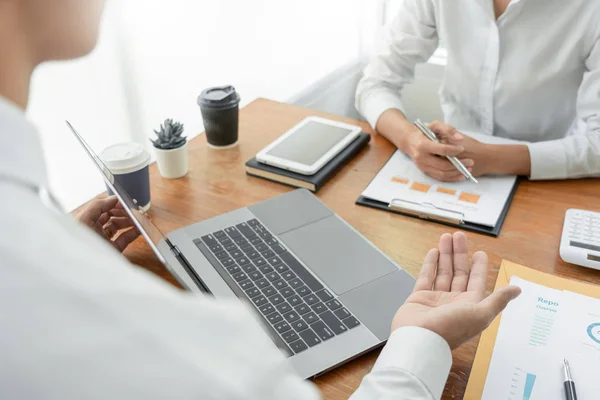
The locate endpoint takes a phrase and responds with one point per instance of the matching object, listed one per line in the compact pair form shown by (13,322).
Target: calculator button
(585,246)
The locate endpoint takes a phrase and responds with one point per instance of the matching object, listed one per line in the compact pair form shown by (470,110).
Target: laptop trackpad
(337,254)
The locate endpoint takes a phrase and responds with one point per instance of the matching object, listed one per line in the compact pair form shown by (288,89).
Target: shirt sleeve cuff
(548,160)
(421,352)
(378,102)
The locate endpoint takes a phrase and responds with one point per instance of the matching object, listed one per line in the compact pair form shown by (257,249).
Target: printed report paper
(537,331)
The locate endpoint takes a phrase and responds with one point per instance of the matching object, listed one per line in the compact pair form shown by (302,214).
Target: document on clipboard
(401,187)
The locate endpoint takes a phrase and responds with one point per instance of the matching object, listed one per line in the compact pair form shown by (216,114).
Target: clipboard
(430,212)
(483,357)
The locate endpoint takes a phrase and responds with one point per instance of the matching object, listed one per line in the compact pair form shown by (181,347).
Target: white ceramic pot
(173,163)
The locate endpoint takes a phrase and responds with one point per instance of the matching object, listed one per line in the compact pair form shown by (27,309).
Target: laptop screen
(142,221)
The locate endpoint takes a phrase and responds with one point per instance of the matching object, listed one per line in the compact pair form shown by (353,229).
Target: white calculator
(580,241)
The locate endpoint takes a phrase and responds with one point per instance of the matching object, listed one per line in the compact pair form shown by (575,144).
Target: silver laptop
(324,293)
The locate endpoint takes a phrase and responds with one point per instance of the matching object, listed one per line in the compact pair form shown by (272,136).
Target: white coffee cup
(129,162)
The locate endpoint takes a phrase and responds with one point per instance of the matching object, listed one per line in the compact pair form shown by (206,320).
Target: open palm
(449,296)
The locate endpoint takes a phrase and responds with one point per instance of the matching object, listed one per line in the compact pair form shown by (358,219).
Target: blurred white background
(155,56)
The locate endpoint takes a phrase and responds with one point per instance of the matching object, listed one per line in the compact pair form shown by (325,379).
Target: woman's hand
(473,149)
(108,218)
(500,159)
(479,158)
(430,157)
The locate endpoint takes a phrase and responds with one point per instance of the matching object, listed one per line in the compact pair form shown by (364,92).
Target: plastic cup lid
(219,97)
(124,158)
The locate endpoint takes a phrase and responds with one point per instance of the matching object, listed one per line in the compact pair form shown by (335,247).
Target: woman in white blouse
(521,69)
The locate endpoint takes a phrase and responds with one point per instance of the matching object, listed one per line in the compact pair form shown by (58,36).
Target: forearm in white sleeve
(410,39)
(414,364)
(577,155)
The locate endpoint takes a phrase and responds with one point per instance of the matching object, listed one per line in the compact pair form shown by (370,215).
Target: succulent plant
(169,136)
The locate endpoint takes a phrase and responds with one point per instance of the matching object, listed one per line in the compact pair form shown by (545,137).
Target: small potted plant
(171,150)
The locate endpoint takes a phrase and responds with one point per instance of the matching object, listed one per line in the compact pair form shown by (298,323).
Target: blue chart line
(528,386)
(594,332)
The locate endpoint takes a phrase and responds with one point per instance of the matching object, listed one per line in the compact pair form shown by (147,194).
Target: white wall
(335,92)
(155,57)
(87,92)
(265,48)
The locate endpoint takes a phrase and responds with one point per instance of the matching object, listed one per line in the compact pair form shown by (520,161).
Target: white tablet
(308,146)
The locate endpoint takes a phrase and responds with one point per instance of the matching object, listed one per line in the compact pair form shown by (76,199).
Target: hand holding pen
(430,157)
(460,167)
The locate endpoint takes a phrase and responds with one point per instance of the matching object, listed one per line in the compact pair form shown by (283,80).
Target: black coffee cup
(220,113)
(128,163)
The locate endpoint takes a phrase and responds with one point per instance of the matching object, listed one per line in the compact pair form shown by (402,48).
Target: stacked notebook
(310,182)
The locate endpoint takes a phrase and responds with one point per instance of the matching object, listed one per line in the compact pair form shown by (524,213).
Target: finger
(496,302)
(445,131)
(103,219)
(427,274)
(125,239)
(479,274)
(98,207)
(115,224)
(444,176)
(116,212)
(444,271)
(442,164)
(458,139)
(461,262)
(441,149)
(99,226)
(452,178)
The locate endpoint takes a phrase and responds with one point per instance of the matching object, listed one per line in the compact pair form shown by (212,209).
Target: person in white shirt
(79,322)
(523,69)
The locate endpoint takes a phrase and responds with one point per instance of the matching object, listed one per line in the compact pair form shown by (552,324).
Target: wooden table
(217,183)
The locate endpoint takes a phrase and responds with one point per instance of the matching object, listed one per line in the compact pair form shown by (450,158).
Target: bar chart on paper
(479,203)
(522,385)
(529,382)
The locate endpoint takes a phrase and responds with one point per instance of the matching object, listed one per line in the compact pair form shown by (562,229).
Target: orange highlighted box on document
(400,180)
(446,191)
(469,197)
(420,187)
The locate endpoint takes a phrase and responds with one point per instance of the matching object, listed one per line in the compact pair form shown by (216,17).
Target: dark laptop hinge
(188,268)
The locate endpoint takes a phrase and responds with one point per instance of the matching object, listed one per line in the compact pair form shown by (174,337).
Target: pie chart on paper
(594,332)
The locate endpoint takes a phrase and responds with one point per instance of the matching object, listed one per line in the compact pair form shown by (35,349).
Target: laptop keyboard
(296,306)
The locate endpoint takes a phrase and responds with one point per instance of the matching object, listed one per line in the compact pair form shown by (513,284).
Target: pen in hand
(453,160)
(569,384)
